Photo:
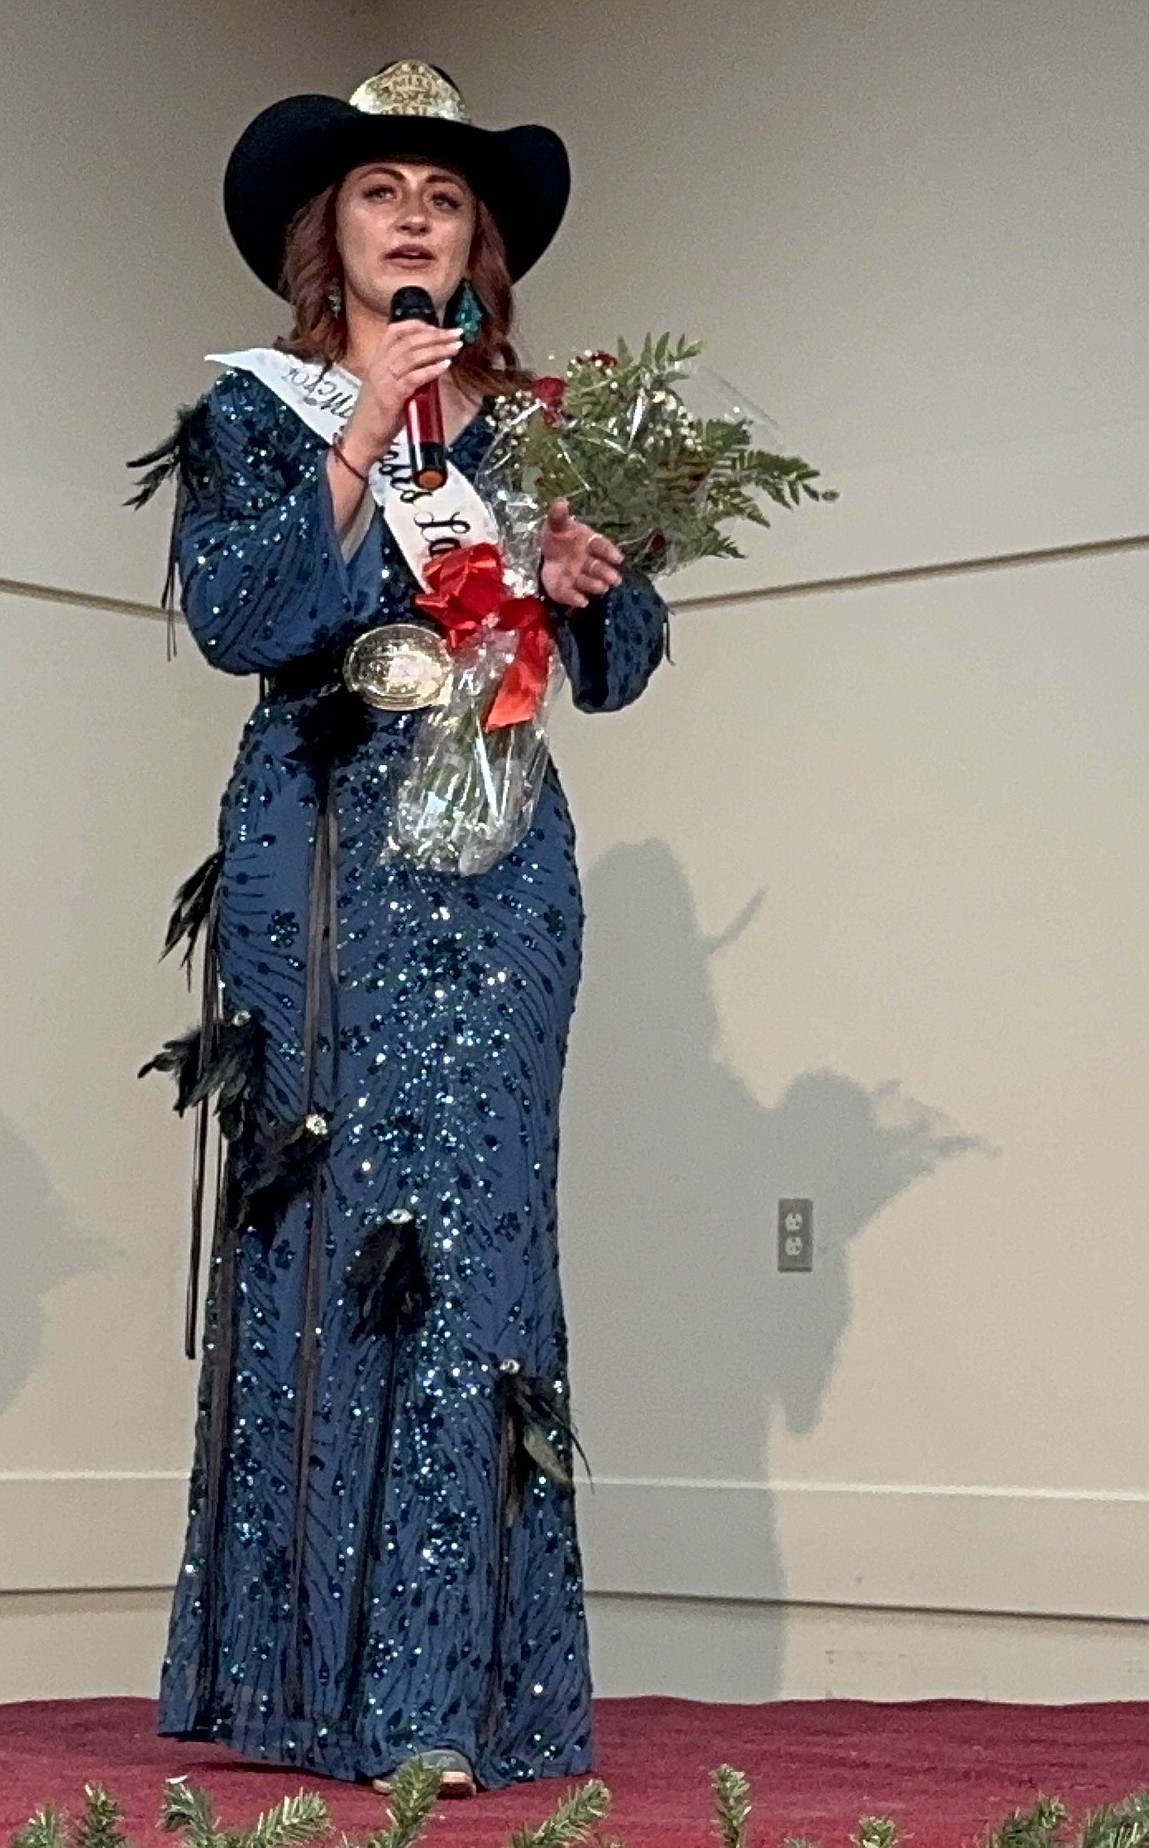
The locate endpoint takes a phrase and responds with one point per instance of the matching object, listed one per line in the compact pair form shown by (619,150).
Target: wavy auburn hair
(312,277)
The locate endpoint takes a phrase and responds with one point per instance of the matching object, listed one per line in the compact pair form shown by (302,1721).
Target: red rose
(550,393)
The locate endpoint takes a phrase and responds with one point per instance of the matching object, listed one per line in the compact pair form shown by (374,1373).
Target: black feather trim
(188,453)
(180,1057)
(279,1163)
(388,1280)
(529,1410)
(331,727)
(231,1071)
(233,1074)
(192,908)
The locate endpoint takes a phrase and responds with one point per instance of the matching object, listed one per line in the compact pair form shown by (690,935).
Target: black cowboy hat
(298,146)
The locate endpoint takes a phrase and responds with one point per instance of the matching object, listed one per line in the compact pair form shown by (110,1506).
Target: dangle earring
(335,299)
(468,315)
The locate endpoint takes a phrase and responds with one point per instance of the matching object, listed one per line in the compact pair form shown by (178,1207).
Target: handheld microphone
(424,413)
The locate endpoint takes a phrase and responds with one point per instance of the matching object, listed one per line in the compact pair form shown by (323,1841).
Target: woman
(381,1556)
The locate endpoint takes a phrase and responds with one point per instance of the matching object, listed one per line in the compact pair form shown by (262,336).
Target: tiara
(409,87)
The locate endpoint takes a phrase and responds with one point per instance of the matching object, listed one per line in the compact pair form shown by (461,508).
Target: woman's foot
(456,1778)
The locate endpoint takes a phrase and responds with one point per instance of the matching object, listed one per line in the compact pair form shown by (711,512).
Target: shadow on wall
(686,1340)
(40,1247)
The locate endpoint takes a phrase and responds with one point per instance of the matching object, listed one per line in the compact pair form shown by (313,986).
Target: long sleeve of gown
(263,575)
(611,649)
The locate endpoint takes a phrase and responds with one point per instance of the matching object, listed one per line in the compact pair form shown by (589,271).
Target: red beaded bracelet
(337,447)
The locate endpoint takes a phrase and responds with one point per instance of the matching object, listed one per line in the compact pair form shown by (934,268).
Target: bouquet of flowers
(652,450)
(618,438)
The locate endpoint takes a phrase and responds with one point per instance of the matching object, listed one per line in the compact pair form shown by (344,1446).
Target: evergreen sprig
(46,1828)
(876,1832)
(185,1807)
(630,457)
(291,1823)
(98,1827)
(575,1820)
(297,1820)
(302,1819)
(731,1792)
(1123,1825)
(414,1788)
(1039,1827)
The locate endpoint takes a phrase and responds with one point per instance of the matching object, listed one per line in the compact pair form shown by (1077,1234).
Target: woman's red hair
(312,280)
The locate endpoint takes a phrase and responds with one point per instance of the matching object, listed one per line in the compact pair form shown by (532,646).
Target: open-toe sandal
(457,1779)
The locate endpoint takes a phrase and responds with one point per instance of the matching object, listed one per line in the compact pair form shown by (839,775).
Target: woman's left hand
(578,563)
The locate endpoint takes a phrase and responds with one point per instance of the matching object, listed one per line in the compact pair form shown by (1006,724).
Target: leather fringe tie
(322,968)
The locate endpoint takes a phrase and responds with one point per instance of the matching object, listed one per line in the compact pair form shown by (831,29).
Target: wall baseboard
(706,1649)
(1016,1551)
(77,1645)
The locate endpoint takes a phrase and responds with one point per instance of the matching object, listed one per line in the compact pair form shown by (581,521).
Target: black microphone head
(413,304)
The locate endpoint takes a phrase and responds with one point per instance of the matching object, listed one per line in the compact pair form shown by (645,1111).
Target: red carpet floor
(942,1769)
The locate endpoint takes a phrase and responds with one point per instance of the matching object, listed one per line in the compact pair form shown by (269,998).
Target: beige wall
(866,870)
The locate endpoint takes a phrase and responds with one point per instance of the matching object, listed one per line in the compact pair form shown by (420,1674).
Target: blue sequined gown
(421,1618)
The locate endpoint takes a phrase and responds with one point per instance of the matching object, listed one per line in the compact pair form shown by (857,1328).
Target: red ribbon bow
(467,592)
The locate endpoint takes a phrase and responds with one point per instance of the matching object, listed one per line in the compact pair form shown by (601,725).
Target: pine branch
(185,1807)
(876,1832)
(1123,1825)
(302,1818)
(414,1788)
(1039,1827)
(732,1800)
(97,1826)
(46,1828)
(573,1821)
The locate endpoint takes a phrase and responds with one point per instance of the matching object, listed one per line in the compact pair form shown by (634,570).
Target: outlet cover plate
(795,1235)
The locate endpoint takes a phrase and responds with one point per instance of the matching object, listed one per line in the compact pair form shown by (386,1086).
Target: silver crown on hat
(409,87)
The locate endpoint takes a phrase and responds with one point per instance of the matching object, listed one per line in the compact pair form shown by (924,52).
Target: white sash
(425,521)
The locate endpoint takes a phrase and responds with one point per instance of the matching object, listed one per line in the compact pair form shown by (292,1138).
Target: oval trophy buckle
(398,668)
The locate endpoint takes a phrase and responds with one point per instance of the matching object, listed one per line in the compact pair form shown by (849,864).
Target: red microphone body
(424,412)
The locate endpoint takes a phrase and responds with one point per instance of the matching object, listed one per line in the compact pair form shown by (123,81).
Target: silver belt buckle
(400,667)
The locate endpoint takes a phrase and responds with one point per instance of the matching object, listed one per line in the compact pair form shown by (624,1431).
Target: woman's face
(401,222)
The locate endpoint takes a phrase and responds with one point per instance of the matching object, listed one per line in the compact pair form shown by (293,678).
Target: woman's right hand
(410,354)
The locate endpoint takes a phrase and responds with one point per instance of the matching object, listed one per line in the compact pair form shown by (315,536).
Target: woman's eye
(448,199)
(381,191)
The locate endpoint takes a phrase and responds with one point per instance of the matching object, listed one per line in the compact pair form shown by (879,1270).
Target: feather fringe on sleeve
(189,455)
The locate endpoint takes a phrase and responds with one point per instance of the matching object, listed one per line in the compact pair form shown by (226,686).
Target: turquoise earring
(468,315)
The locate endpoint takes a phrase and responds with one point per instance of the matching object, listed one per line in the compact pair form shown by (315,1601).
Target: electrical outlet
(795,1235)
